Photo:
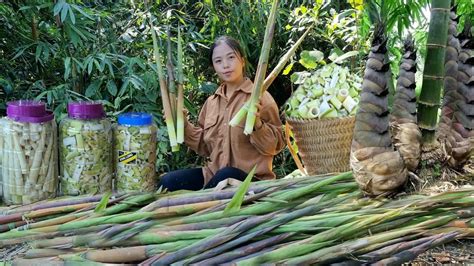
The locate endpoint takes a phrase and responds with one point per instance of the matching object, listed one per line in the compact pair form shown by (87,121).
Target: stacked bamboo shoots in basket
(29,154)
(290,221)
(331,91)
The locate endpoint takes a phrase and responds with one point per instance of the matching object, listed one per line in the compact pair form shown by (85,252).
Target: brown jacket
(229,146)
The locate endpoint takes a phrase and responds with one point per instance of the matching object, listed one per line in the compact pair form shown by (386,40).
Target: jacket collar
(246,87)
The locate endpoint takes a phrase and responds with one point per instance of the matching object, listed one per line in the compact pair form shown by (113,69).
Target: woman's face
(228,64)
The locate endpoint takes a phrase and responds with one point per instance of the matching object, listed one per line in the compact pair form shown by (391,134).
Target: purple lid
(28,111)
(85,110)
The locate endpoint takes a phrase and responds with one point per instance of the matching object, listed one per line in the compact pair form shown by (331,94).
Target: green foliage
(68,50)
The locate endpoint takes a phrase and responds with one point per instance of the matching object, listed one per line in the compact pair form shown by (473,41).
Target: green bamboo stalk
(351,247)
(180,83)
(271,77)
(333,252)
(246,250)
(164,91)
(171,75)
(121,232)
(54,221)
(129,202)
(283,60)
(147,238)
(267,207)
(411,254)
(377,246)
(257,231)
(261,69)
(50,252)
(213,240)
(261,72)
(123,255)
(38,236)
(315,242)
(58,202)
(393,249)
(211,224)
(126,202)
(433,74)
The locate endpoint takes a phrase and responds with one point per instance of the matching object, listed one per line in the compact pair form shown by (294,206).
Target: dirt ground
(457,252)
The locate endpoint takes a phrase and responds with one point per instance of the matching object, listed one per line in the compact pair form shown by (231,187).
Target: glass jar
(29,161)
(135,152)
(85,139)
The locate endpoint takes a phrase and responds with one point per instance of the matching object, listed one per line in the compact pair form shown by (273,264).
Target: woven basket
(323,144)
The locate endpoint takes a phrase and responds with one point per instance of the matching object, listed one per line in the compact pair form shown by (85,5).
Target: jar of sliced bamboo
(29,153)
(85,139)
(135,152)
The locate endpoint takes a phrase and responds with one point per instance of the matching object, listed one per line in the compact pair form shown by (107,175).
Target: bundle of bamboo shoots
(292,221)
(171,88)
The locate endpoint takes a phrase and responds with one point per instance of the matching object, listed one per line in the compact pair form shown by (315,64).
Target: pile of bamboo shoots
(299,220)
(29,161)
(331,91)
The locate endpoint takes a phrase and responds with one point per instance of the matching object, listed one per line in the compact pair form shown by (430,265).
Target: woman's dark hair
(233,43)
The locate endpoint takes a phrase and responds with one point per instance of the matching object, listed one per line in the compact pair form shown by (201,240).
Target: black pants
(192,179)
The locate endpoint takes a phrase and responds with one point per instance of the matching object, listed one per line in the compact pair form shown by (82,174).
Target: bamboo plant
(377,167)
(433,74)
(463,120)
(405,131)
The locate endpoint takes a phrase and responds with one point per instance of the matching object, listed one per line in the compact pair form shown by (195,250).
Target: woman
(231,153)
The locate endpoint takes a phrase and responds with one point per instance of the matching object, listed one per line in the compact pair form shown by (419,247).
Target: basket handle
(295,156)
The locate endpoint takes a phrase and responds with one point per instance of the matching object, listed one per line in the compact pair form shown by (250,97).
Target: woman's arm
(267,138)
(194,135)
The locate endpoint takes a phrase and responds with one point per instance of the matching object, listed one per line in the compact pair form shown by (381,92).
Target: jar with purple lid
(29,160)
(85,149)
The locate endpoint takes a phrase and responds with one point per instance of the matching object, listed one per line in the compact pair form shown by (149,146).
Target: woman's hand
(185,115)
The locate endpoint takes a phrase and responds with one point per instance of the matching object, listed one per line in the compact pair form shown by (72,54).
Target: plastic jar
(29,160)
(135,152)
(85,139)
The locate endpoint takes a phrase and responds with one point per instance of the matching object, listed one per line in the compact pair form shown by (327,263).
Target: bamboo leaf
(310,59)
(58,7)
(67,67)
(112,87)
(64,10)
(236,202)
(345,56)
(287,69)
(76,7)
(71,15)
(103,203)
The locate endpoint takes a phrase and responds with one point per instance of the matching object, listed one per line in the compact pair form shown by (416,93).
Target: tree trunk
(433,75)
